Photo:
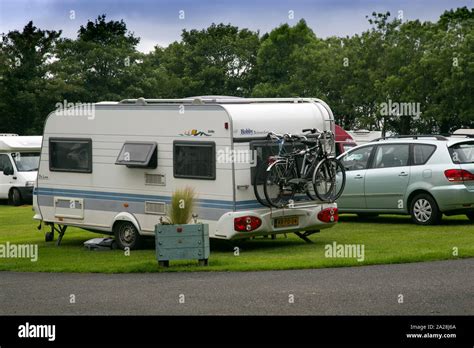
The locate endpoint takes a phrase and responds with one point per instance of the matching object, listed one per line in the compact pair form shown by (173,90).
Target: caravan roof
(10,143)
(255,117)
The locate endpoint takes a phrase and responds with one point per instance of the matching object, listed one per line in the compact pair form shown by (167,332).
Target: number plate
(287,221)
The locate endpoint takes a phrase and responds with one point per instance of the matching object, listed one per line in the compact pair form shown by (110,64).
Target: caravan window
(195,160)
(138,154)
(70,155)
(262,150)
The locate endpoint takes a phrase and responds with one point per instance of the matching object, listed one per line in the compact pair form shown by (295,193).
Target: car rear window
(462,152)
(422,153)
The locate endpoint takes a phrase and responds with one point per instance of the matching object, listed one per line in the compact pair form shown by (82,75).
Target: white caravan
(114,169)
(19,159)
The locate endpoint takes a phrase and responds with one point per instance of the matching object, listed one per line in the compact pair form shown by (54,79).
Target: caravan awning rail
(218,100)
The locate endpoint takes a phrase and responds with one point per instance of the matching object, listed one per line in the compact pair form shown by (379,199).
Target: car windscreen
(26,161)
(462,152)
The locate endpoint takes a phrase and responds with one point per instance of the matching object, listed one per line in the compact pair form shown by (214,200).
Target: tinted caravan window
(70,155)
(262,150)
(194,160)
(138,154)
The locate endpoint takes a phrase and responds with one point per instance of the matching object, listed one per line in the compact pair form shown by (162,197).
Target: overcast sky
(159,22)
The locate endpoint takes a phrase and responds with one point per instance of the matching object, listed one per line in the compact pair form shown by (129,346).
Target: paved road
(442,287)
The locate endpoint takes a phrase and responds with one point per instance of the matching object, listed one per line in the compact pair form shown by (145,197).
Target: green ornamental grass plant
(182,205)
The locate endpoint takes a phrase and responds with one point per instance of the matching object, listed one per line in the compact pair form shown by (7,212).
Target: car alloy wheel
(422,210)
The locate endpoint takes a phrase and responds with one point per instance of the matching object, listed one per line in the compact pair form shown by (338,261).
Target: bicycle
(317,176)
(275,145)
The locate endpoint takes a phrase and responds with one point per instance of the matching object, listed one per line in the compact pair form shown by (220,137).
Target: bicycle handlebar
(286,136)
(291,137)
(315,130)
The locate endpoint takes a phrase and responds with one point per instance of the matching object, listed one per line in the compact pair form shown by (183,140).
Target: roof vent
(141,101)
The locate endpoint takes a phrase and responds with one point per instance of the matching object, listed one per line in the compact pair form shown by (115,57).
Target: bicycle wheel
(278,191)
(258,185)
(329,179)
(309,185)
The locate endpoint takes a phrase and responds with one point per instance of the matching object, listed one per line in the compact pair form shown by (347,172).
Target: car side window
(391,155)
(357,159)
(422,153)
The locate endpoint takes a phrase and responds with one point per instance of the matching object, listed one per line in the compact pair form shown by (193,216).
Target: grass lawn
(386,239)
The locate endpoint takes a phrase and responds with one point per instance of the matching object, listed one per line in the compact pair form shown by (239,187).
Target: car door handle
(358,176)
(403,174)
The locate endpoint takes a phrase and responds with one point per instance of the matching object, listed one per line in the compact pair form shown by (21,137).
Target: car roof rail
(415,136)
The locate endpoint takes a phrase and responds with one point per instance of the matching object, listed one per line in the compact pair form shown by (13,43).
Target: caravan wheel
(127,235)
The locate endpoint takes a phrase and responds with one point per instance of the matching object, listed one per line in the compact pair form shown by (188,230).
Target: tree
(276,59)
(213,61)
(25,59)
(98,65)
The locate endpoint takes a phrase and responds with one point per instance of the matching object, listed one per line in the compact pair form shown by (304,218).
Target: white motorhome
(464,131)
(364,136)
(114,171)
(19,159)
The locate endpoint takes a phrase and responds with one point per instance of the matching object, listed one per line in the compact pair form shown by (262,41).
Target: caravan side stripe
(116,196)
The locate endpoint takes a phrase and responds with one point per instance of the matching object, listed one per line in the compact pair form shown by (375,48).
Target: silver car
(424,176)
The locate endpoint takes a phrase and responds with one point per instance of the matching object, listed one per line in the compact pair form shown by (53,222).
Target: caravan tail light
(328,215)
(247,223)
(458,175)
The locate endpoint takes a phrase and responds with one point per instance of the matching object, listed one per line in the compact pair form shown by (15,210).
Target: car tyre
(470,215)
(15,197)
(424,210)
(127,235)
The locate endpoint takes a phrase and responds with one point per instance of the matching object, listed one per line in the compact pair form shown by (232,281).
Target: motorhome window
(136,154)
(5,163)
(26,161)
(194,160)
(70,155)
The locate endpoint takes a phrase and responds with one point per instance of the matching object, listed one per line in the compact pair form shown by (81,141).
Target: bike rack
(303,235)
